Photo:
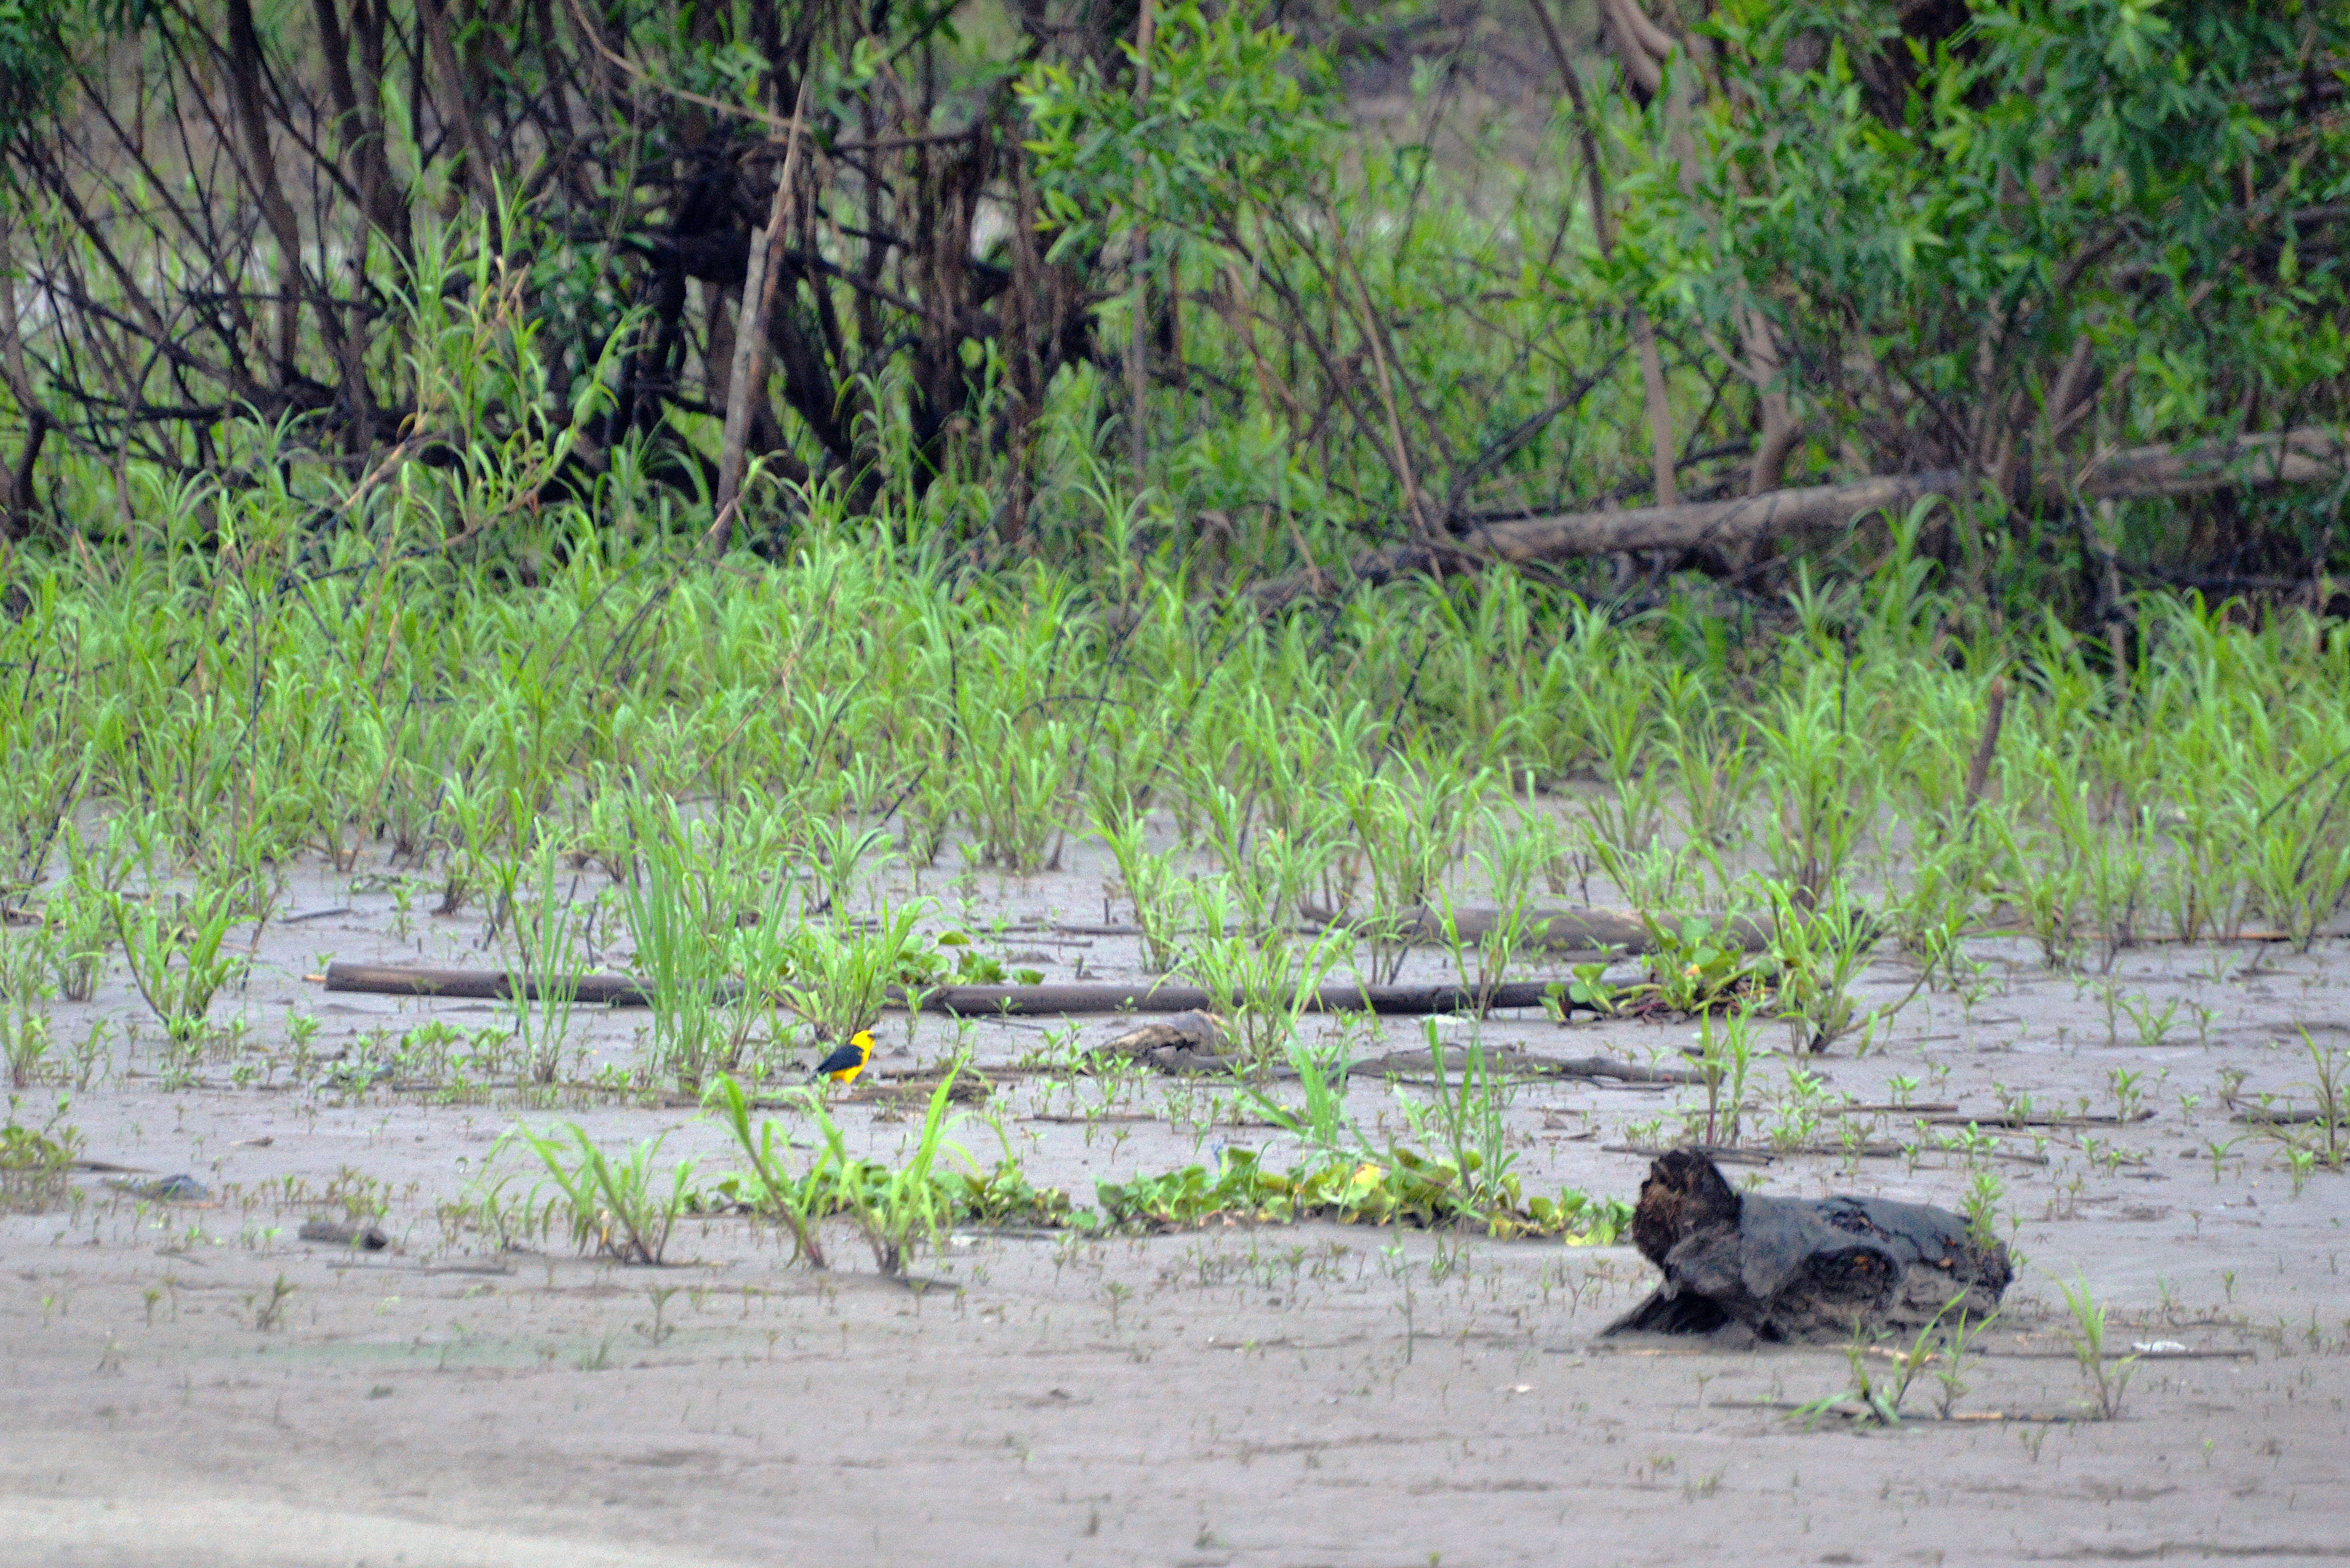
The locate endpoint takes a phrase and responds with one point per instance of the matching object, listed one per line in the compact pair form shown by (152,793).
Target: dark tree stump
(1755,1268)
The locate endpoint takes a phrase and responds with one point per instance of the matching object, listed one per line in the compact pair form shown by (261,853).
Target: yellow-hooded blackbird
(848,1060)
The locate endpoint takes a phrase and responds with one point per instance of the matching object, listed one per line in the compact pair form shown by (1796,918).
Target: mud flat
(191,1383)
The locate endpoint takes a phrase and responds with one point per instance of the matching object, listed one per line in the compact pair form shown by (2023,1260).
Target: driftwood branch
(1523,1065)
(483,985)
(1198,1042)
(2308,456)
(962,1001)
(1563,929)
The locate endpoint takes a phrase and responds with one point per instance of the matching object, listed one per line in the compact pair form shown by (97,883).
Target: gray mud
(1306,1395)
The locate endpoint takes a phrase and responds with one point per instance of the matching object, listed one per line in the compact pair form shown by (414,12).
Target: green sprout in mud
(615,1205)
(898,1208)
(175,946)
(2106,1373)
(1941,1343)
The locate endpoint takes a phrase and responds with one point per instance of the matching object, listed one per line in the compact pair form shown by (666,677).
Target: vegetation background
(1205,293)
(727,444)
(571,486)
(1835,477)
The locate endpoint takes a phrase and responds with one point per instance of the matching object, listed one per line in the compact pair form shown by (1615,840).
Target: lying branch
(2017,1119)
(2312,455)
(1029,1001)
(1565,929)
(2308,456)
(1524,1064)
(483,985)
(1200,1043)
(961,1000)
(2262,1117)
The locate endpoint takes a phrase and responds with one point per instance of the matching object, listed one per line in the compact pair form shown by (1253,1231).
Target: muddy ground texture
(191,1384)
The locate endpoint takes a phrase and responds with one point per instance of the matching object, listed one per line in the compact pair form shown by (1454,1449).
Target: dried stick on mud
(963,1001)
(1527,1064)
(1565,928)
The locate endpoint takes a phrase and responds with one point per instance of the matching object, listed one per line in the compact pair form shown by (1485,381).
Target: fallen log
(2314,454)
(1561,927)
(2306,456)
(1683,527)
(483,985)
(1198,1042)
(1396,1000)
(2259,1117)
(1750,1268)
(1526,1065)
(2018,1120)
(961,1000)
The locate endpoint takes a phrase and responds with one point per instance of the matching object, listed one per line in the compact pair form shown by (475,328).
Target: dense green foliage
(2008,241)
(2136,180)
(31,64)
